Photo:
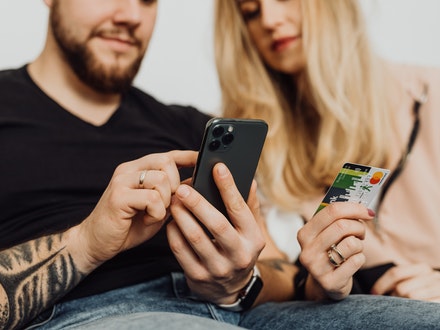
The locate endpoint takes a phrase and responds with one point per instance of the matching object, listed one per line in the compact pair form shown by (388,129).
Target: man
(91,170)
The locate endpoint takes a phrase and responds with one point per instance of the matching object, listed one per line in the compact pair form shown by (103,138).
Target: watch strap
(247,295)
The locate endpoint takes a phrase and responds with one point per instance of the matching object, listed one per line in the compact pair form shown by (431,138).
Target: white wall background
(179,67)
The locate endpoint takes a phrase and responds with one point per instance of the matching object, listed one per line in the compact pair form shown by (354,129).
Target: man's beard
(87,66)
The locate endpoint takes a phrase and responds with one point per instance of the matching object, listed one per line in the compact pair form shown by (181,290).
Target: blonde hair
(337,110)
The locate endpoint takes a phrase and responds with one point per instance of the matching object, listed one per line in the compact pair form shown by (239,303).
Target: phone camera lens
(227,138)
(214,145)
(218,131)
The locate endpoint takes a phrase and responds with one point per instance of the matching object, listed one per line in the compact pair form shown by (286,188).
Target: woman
(308,69)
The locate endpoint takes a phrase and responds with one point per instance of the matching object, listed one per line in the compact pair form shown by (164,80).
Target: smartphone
(238,144)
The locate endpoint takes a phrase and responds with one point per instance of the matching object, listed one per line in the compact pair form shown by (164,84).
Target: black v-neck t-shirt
(54,167)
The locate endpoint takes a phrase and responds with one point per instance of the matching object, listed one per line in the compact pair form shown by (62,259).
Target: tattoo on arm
(276,264)
(33,276)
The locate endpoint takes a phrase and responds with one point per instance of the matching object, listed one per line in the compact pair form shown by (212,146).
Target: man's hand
(216,269)
(132,209)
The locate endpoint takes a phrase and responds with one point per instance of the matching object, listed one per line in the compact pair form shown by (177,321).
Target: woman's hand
(416,281)
(332,249)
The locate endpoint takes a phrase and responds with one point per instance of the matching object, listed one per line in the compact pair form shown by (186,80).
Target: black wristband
(248,294)
(299,282)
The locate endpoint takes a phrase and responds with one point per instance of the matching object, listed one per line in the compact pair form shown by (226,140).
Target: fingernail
(222,170)
(371,213)
(182,191)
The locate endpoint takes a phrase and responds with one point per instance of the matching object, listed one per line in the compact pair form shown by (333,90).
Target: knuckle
(193,200)
(353,244)
(358,260)
(157,213)
(306,258)
(154,197)
(200,277)
(236,205)
(222,273)
(301,237)
(333,210)
(117,180)
(121,168)
(244,266)
(243,262)
(176,246)
(393,272)
(342,226)
(195,237)
(162,178)
(164,160)
(220,227)
(401,291)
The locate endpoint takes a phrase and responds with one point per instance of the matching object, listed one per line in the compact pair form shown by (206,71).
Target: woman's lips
(283,43)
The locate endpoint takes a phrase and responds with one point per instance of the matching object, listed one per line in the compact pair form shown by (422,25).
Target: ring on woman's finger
(335,248)
(142,178)
(333,261)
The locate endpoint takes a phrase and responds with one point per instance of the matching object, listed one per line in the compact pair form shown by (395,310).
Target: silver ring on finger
(336,262)
(142,178)
(335,248)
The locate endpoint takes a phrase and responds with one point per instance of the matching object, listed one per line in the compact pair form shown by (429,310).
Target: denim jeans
(167,303)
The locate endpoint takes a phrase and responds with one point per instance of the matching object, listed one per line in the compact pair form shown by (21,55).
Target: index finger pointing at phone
(169,163)
(181,158)
(184,158)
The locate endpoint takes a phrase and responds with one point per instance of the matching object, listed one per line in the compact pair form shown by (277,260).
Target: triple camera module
(222,137)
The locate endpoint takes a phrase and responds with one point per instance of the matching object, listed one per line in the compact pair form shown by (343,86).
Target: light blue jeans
(166,303)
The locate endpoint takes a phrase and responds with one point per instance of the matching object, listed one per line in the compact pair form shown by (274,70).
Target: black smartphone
(238,144)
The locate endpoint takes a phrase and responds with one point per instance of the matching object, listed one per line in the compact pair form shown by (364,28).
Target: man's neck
(61,84)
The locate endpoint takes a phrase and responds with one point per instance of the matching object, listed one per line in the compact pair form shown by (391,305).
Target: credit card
(355,183)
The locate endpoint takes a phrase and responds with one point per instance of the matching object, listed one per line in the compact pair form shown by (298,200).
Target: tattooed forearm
(277,275)
(276,264)
(33,276)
